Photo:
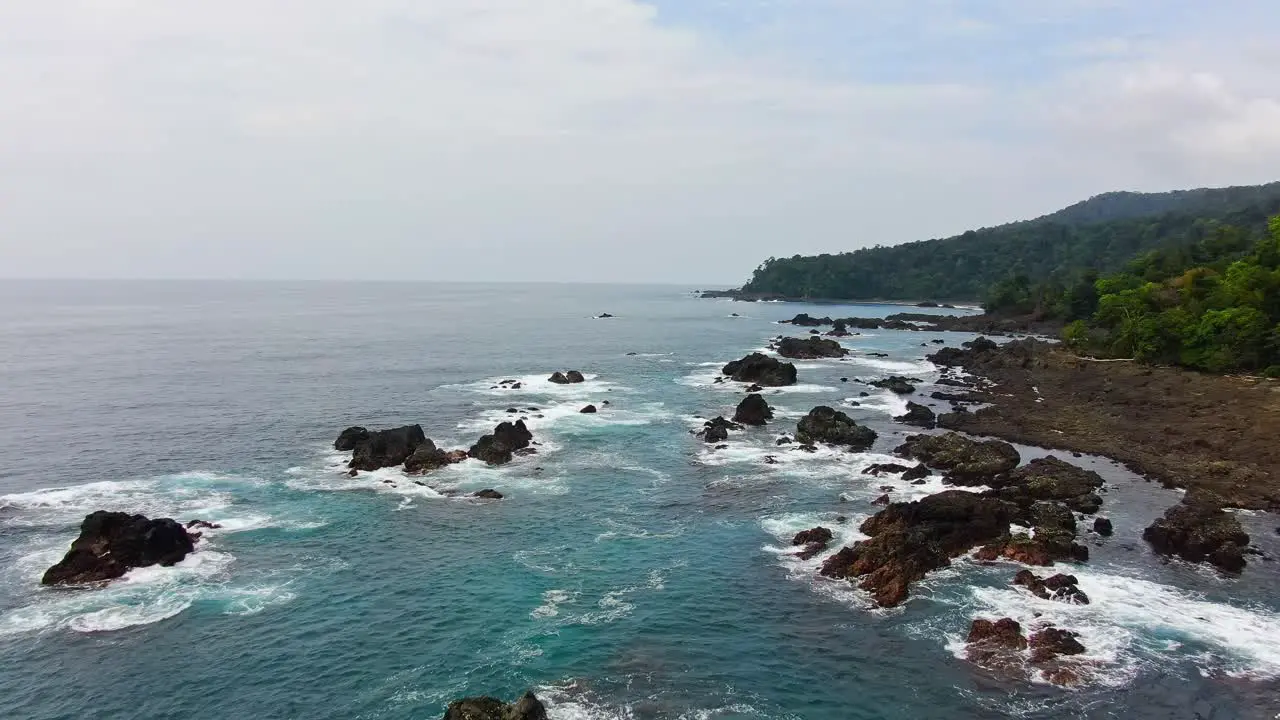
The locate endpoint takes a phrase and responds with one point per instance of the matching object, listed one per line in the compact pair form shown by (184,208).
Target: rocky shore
(1212,435)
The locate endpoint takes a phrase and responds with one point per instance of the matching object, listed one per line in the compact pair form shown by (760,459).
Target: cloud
(584,140)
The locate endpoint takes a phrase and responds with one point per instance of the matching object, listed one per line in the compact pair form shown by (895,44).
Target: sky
(679,141)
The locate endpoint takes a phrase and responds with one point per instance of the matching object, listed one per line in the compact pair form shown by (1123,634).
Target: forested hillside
(1211,306)
(1100,234)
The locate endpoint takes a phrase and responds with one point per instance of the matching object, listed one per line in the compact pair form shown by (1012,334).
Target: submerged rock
(1199,530)
(384,448)
(810,348)
(488,494)
(113,543)
(885,468)
(965,461)
(528,707)
(828,425)
(918,415)
(499,447)
(753,410)
(761,369)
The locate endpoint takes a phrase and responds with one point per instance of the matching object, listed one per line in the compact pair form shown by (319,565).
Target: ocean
(631,571)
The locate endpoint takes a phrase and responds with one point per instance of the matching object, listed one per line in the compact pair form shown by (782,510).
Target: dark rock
(487,708)
(1049,478)
(428,457)
(112,543)
(754,389)
(965,461)
(784,440)
(717,430)
(588,410)
(916,474)
(498,447)
(558,378)
(864,394)
(957,397)
(895,383)
(575,377)
(1051,643)
(810,348)
(885,468)
(761,369)
(844,379)
(828,425)
(882,500)
(1058,587)
(386,448)
(203,524)
(1005,632)
(1102,526)
(918,415)
(804,320)
(349,438)
(601,316)
(1199,530)
(981,345)
(909,540)
(489,494)
(814,541)
(938,341)
(753,410)
(1055,534)
(352,473)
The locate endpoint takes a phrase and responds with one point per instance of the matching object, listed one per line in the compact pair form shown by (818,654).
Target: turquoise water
(631,572)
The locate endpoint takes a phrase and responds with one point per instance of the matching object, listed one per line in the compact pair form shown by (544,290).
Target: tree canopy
(1099,235)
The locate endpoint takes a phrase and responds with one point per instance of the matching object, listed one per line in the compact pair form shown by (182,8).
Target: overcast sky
(596,140)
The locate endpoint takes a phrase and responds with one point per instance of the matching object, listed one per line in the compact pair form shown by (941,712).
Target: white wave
(186,495)
(784,527)
(551,602)
(541,386)
(884,401)
(1132,623)
(896,367)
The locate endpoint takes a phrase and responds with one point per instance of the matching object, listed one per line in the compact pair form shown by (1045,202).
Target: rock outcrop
(1054,529)
(717,430)
(427,457)
(488,494)
(112,543)
(572,377)
(1199,530)
(896,384)
(918,415)
(814,540)
(810,348)
(909,540)
(753,410)
(500,446)
(1001,647)
(1049,478)
(528,707)
(828,425)
(963,461)
(382,448)
(1065,588)
(349,438)
(589,410)
(761,369)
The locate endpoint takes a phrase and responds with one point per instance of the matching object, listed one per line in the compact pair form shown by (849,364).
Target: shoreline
(1207,434)
(737,296)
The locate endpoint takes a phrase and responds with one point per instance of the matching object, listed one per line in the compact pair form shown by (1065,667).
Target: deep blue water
(631,572)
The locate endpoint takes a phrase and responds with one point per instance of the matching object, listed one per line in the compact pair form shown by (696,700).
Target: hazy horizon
(600,141)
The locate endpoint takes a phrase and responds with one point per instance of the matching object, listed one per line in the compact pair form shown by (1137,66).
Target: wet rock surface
(828,425)
(113,543)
